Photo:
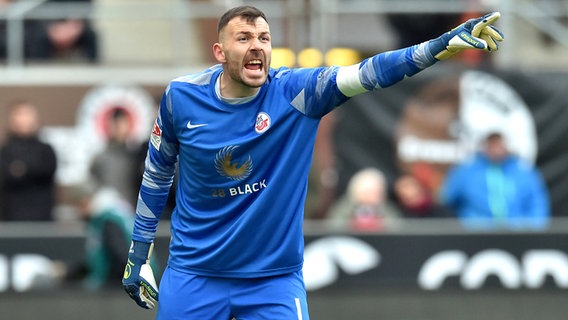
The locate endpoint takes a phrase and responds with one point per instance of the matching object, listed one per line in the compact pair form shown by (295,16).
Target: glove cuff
(435,46)
(140,251)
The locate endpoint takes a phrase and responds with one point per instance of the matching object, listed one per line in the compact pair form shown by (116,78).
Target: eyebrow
(250,34)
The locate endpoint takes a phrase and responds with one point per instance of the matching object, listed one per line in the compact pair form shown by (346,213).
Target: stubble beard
(236,76)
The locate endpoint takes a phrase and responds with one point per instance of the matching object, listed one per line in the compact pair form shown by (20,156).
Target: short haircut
(493,136)
(118,113)
(249,13)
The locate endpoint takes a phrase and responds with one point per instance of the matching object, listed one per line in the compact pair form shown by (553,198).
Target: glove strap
(141,251)
(437,45)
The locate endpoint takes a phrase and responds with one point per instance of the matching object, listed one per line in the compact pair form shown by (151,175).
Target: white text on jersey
(248,188)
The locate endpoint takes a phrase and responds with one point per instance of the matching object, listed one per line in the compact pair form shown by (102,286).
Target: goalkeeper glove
(138,280)
(473,34)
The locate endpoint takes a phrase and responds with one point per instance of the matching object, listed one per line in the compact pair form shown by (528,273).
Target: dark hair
(118,112)
(249,13)
(493,135)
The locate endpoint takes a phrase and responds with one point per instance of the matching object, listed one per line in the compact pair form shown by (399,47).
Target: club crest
(262,122)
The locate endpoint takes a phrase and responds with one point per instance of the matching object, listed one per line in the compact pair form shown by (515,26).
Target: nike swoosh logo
(193,126)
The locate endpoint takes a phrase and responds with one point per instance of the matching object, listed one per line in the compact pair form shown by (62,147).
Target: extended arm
(388,68)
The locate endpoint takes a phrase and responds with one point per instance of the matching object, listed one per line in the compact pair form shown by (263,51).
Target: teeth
(255,62)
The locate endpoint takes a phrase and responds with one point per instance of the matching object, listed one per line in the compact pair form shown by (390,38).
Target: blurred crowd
(72,39)
(493,188)
(493,184)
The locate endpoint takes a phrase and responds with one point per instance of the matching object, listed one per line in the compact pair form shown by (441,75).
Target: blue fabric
(388,68)
(186,296)
(509,194)
(240,193)
(243,168)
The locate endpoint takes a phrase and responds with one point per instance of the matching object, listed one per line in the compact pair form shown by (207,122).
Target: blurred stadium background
(419,269)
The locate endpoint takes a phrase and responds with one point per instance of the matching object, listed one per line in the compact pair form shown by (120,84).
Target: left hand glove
(473,34)
(139,281)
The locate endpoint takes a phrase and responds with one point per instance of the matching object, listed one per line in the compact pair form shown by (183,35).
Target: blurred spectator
(116,165)
(365,205)
(67,39)
(109,219)
(415,199)
(496,189)
(27,168)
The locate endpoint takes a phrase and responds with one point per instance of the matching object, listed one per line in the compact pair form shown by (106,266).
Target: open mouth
(255,64)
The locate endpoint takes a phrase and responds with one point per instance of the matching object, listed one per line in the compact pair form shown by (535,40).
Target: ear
(218,52)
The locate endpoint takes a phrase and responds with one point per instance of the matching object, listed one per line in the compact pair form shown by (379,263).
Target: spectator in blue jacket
(497,189)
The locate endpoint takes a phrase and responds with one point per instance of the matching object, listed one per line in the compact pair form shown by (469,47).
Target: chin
(256,83)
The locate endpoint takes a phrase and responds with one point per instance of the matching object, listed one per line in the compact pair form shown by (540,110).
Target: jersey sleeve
(317,91)
(384,69)
(160,164)
(312,91)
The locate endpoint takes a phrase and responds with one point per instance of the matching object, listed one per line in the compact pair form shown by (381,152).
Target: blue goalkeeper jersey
(243,168)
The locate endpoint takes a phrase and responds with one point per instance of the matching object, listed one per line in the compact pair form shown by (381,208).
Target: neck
(232,89)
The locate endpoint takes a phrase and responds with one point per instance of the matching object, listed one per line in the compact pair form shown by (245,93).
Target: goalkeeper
(242,136)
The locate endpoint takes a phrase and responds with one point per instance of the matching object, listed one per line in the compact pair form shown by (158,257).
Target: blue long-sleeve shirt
(243,167)
(508,194)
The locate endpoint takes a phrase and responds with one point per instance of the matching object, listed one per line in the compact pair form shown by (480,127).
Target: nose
(256,51)
(256,45)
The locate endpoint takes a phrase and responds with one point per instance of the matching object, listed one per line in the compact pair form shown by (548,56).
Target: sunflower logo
(233,170)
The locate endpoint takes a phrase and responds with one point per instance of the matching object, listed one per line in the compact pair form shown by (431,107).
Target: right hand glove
(138,280)
(473,34)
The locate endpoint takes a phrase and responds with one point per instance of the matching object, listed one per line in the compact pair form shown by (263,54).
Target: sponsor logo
(247,188)
(262,122)
(325,257)
(228,166)
(467,38)
(531,271)
(193,126)
(231,168)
